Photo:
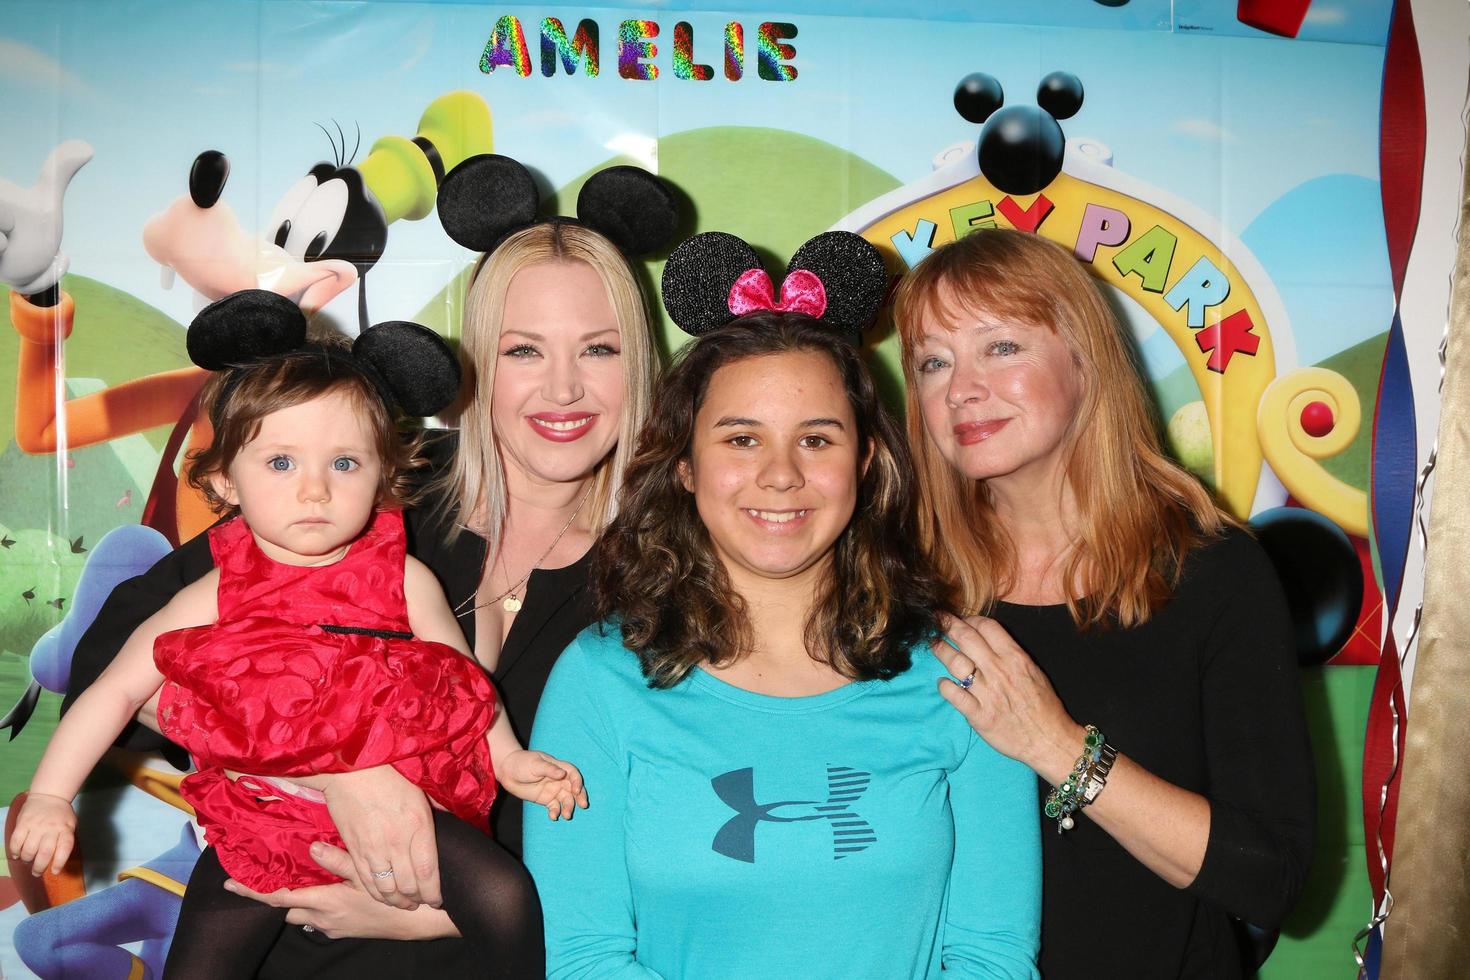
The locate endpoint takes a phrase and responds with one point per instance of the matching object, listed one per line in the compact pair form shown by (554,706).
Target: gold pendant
(512,604)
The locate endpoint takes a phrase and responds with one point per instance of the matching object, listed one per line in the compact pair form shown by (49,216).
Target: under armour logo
(845,786)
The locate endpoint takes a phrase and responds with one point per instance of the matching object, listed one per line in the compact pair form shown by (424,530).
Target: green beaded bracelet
(1088,777)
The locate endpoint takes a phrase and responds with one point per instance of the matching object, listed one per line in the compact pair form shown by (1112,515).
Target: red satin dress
(276,688)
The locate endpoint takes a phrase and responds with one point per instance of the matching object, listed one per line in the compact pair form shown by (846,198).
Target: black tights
(488,894)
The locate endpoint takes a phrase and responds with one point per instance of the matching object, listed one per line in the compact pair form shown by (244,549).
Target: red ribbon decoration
(801,292)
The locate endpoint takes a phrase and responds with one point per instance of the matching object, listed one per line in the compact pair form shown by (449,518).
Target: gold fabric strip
(154,878)
(1427,936)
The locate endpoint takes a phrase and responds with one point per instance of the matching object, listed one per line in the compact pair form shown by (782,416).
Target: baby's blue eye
(344,464)
(281,464)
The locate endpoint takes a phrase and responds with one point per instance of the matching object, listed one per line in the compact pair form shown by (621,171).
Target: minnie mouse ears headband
(714,277)
(410,365)
(489,196)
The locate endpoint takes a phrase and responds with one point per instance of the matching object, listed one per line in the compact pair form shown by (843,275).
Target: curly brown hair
(655,572)
(236,401)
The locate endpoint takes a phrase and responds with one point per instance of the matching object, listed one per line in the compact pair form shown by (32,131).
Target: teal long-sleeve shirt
(862,833)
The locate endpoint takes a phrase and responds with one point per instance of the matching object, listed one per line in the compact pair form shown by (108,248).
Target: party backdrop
(1239,176)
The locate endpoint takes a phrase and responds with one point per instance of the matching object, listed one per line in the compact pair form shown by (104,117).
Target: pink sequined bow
(801,292)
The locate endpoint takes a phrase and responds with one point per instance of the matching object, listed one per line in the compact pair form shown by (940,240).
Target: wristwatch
(1097,773)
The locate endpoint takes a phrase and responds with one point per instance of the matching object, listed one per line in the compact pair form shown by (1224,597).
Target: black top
(557,607)
(1206,696)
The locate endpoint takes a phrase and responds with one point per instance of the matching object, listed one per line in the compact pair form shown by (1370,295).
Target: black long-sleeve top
(557,608)
(1206,696)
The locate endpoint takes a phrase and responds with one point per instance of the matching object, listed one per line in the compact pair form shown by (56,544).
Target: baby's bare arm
(128,683)
(430,618)
(429,615)
(45,824)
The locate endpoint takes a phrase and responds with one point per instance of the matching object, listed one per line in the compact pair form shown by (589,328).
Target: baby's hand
(537,777)
(44,832)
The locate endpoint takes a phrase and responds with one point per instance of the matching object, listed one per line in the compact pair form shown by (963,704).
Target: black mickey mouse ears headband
(714,277)
(487,197)
(409,365)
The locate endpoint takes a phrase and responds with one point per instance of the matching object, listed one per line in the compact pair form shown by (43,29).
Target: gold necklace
(509,600)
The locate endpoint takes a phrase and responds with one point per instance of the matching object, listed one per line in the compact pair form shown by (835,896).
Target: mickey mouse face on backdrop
(714,277)
(410,365)
(487,197)
(1021,147)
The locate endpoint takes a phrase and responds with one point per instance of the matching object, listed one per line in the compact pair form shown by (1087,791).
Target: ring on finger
(967,681)
(315,935)
(380,875)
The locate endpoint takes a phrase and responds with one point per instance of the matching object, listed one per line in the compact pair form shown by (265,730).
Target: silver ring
(306,927)
(967,682)
(382,874)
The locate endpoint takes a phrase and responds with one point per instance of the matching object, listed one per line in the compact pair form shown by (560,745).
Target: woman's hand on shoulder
(1009,701)
(345,909)
(539,778)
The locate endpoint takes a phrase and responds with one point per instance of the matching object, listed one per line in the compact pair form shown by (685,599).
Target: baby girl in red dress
(317,645)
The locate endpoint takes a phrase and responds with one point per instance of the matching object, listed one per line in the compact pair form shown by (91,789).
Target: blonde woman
(1111,593)
(562,362)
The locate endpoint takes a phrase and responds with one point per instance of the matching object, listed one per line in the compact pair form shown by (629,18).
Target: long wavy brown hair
(1139,513)
(655,571)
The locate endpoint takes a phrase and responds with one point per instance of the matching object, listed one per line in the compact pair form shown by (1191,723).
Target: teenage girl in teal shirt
(777,788)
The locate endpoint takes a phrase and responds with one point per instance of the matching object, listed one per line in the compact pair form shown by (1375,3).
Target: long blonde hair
(1139,513)
(475,481)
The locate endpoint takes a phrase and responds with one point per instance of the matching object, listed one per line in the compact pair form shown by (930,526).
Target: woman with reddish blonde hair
(1110,592)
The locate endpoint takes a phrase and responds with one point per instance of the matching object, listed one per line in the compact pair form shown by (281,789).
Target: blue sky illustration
(1232,124)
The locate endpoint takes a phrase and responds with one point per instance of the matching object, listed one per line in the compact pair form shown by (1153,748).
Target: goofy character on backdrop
(326,232)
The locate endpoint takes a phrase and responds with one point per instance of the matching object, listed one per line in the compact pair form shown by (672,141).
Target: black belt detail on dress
(364,631)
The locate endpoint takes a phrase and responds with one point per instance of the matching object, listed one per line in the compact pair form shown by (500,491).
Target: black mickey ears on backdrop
(1060,93)
(410,365)
(978,96)
(714,277)
(1021,148)
(489,196)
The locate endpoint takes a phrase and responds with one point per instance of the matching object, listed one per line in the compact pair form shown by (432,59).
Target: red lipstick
(562,426)
(970,433)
